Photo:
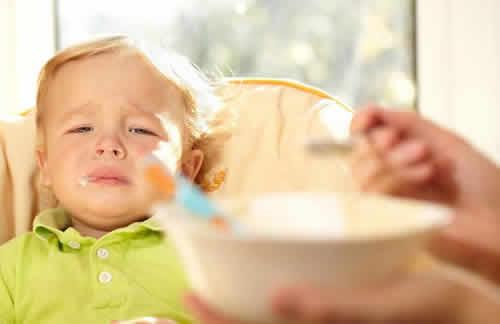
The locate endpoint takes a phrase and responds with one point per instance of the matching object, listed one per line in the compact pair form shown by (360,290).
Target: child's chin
(118,209)
(104,198)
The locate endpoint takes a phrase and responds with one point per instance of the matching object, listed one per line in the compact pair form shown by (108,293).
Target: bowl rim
(442,217)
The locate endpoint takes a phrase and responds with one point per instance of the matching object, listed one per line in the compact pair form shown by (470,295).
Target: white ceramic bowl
(330,239)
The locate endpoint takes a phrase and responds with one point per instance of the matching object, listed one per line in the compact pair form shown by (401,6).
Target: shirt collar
(55,223)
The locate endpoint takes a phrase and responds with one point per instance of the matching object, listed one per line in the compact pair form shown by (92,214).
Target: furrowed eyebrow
(77,110)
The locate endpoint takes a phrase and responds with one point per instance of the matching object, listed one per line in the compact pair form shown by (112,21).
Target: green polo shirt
(55,275)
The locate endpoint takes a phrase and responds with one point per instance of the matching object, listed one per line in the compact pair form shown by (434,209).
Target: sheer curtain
(26,42)
(459,68)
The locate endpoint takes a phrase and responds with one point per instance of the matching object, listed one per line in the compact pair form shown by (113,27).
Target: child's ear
(192,164)
(41,158)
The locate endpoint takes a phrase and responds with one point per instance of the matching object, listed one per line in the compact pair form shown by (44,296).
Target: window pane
(359,50)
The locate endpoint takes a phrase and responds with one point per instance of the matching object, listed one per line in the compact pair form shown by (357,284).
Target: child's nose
(110,147)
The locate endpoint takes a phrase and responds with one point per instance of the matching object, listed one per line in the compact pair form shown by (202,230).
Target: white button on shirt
(74,245)
(102,253)
(105,277)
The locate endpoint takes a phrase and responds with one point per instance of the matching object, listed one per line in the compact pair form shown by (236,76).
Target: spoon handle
(329,145)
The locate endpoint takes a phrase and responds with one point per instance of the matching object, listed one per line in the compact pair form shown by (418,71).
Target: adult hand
(440,166)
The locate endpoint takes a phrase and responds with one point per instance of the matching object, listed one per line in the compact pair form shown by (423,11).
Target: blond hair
(204,120)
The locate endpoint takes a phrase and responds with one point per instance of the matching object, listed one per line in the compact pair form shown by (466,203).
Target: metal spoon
(330,145)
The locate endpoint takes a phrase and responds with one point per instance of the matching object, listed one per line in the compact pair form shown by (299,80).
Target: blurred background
(360,50)
(438,57)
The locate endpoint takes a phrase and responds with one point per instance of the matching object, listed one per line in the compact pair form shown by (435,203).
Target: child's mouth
(108,181)
(107,176)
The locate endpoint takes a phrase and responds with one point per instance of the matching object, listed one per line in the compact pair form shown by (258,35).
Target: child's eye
(142,131)
(83,129)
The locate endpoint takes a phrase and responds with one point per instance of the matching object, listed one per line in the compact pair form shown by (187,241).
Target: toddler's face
(103,115)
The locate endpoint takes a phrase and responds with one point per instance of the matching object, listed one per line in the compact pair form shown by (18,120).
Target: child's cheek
(73,144)
(144,148)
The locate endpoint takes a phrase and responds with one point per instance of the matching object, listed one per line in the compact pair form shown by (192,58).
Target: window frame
(458,67)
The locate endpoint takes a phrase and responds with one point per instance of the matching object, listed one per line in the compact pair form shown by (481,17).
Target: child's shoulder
(23,242)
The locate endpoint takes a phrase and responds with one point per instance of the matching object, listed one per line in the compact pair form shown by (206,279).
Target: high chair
(273,119)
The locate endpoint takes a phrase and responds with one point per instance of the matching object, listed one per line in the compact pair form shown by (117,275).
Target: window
(359,50)
(26,43)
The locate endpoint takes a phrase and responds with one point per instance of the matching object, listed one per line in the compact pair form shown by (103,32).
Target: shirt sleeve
(7,277)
